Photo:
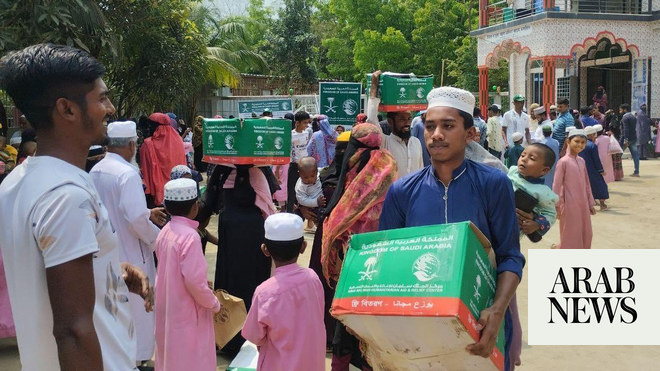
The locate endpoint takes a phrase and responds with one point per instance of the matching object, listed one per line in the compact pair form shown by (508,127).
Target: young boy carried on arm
(534,163)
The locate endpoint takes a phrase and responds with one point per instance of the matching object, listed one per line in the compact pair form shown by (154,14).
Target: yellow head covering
(344,137)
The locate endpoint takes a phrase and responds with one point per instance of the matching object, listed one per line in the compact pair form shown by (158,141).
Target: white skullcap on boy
(575,132)
(447,96)
(182,189)
(590,130)
(283,227)
(516,136)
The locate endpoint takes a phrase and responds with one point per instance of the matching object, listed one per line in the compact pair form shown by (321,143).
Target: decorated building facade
(567,49)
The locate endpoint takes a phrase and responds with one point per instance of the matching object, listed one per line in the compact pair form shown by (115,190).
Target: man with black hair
(286,317)
(300,137)
(564,120)
(267,113)
(406,149)
(67,288)
(439,194)
(629,135)
(481,125)
(585,117)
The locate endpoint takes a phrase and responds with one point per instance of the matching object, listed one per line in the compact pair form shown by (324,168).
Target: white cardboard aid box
(414,296)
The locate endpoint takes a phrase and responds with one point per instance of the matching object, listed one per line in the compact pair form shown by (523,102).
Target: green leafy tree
(463,70)
(292,43)
(163,56)
(441,26)
(376,51)
(75,23)
(351,21)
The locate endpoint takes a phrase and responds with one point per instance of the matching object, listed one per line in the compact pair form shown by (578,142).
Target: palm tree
(80,23)
(228,51)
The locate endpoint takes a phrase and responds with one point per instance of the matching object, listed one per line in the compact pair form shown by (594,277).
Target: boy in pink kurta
(286,317)
(185,304)
(576,203)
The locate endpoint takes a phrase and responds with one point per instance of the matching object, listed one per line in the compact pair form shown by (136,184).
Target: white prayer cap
(598,128)
(182,189)
(447,96)
(539,111)
(575,132)
(122,129)
(517,136)
(15,140)
(590,130)
(283,227)
(569,128)
(178,171)
(553,107)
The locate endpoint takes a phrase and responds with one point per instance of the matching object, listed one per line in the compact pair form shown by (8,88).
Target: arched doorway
(505,67)
(615,64)
(608,65)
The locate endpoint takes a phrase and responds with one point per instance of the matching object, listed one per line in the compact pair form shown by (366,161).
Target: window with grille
(537,87)
(564,88)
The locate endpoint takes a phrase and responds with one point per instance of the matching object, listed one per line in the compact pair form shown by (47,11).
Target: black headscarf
(290,116)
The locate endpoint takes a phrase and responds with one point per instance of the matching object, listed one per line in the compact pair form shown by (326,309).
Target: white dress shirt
(408,156)
(515,123)
(120,187)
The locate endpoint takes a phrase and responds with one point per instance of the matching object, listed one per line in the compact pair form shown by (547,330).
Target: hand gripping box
(254,141)
(414,295)
(402,92)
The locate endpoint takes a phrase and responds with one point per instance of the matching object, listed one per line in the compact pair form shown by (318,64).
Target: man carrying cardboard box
(406,149)
(454,189)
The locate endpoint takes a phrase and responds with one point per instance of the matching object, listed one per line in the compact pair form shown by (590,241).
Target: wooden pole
(442,74)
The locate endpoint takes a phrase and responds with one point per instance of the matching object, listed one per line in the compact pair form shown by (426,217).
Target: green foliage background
(161,53)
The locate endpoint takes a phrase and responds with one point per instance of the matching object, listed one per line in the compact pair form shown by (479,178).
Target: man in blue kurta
(595,169)
(453,189)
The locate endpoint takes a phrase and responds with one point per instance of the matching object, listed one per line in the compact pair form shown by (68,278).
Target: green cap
(518,98)
(547,128)
(266,109)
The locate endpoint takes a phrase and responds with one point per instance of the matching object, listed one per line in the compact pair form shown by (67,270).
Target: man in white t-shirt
(516,121)
(406,149)
(67,287)
(300,137)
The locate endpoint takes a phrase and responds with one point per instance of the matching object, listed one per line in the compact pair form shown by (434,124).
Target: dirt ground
(630,223)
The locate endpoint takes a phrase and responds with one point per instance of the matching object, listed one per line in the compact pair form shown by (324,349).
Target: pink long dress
(185,339)
(572,185)
(280,195)
(603,143)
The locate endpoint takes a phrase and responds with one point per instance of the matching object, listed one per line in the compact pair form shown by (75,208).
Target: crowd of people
(106,241)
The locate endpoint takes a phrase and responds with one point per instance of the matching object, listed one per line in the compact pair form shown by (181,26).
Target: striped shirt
(564,120)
